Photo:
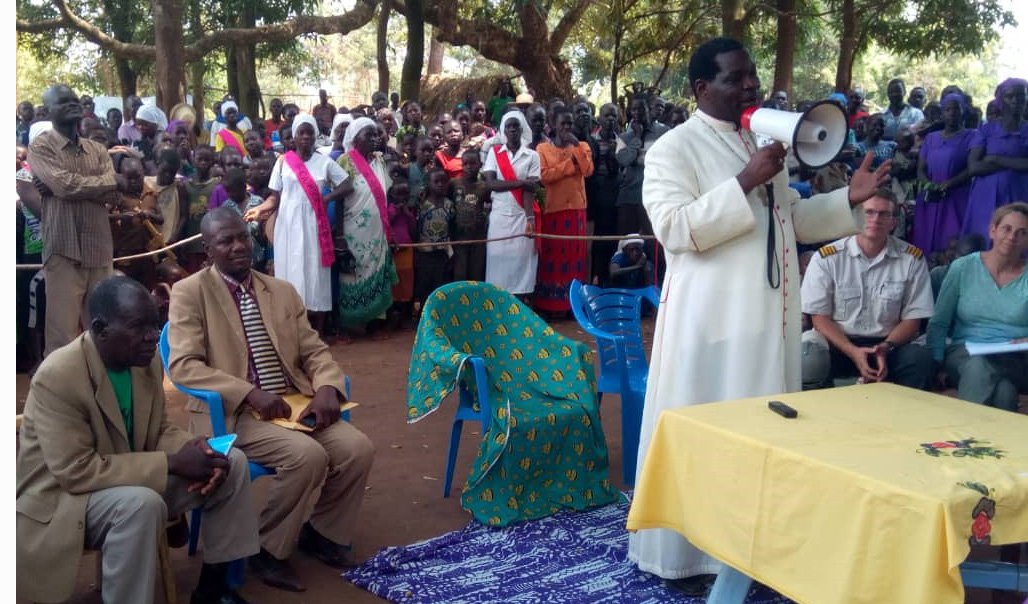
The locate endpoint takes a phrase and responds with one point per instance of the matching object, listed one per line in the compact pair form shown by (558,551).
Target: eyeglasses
(871,214)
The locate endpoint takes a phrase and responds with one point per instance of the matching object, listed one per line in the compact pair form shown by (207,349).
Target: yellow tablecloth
(859,499)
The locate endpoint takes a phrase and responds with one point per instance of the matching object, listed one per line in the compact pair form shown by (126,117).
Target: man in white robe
(722,331)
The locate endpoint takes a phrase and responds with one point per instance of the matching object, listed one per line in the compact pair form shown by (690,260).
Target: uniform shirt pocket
(847,302)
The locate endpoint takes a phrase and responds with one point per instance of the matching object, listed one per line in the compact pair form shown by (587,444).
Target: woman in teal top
(984,298)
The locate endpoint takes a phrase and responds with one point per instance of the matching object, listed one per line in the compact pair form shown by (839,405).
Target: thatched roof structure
(441,94)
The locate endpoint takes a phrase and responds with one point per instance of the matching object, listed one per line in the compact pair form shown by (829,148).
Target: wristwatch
(890,346)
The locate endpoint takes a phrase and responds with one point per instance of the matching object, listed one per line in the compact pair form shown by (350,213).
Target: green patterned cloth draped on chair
(545,450)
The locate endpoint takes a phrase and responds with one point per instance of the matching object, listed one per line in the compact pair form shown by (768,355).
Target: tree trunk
(785,46)
(436,52)
(167,21)
(847,47)
(230,71)
(615,64)
(196,68)
(410,78)
(382,46)
(126,77)
(248,97)
(733,19)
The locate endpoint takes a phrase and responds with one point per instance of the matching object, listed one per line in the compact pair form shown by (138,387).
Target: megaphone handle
(774,271)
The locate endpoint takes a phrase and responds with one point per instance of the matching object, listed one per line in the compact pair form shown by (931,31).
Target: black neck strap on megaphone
(774,271)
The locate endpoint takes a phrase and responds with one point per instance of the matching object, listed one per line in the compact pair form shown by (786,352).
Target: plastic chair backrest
(612,314)
(212,399)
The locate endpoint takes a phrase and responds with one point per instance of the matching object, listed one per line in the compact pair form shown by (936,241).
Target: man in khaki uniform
(246,336)
(867,294)
(101,468)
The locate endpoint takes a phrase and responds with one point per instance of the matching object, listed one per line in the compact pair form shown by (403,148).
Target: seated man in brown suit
(245,335)
(101,468)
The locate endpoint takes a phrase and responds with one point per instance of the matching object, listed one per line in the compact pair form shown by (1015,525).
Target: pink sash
(310,187)
(230,140)
(376,190)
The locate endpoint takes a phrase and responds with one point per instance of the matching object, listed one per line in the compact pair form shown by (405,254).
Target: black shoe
(696,586)
(318,546)
(275,572)
(228,596)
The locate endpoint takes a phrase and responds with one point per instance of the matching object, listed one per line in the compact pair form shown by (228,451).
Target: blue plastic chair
(217,412)
(612,317)
(466,411)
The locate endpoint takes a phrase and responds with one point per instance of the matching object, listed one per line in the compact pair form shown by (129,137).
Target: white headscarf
(228,105)
(154,115)
(39,128)
(304,118)
(526,132)
(340,118)
(354,129)
(632,238)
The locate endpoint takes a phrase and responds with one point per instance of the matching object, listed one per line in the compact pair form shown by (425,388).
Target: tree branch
(567,23)
(361,14)
(277,32)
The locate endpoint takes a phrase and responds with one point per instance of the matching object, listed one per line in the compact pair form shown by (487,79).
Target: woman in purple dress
(943,164)
(999,158)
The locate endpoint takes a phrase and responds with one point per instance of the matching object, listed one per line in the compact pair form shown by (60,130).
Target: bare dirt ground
(403,503)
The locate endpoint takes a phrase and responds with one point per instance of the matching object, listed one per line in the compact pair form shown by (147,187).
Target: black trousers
(431,270)
(908,365)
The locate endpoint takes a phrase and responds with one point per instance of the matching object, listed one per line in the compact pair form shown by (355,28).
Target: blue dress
(999,188)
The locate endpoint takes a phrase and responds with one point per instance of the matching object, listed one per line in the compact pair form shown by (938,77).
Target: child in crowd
(403,223)
(199,189)
(241,199)
(904,173)
(168,272)
(424,149)
(412,122)
(407,149)
(435,223)
(133,225)
(254,144)
(435,134)
(285,137)
(472,202)
(30,287)
(449,157)
(257,181)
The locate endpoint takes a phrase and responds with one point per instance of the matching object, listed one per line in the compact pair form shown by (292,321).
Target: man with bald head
(77,183)
(246,336)
(101,467)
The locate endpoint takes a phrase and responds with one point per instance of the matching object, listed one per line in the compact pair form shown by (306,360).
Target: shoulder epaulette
(827,251)
(915,251)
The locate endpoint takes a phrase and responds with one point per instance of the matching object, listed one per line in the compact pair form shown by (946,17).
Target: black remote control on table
(782,409)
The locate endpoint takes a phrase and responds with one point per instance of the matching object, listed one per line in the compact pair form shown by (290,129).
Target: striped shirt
(80,176)
(234,289)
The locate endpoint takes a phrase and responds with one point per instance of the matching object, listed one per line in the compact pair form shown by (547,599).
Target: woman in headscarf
(231,135)
(511,172)
(564,162)
(303,236)
(999,159)
(629,266)
(339,125)
(367,273)
(150,121)
(942,164)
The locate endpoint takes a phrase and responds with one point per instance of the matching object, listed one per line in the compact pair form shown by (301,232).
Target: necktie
(265,360)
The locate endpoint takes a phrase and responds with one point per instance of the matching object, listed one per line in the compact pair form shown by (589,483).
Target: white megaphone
(816,136)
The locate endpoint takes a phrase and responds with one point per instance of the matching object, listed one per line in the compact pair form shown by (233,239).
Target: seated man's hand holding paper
(324,407)
(270,406)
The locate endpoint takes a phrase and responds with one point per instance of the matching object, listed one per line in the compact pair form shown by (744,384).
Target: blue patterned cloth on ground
(570,557)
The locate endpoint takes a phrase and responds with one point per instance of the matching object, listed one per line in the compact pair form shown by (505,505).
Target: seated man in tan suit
(245,335)
(101,468)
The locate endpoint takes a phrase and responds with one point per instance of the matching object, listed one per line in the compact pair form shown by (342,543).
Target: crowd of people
(349,218)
